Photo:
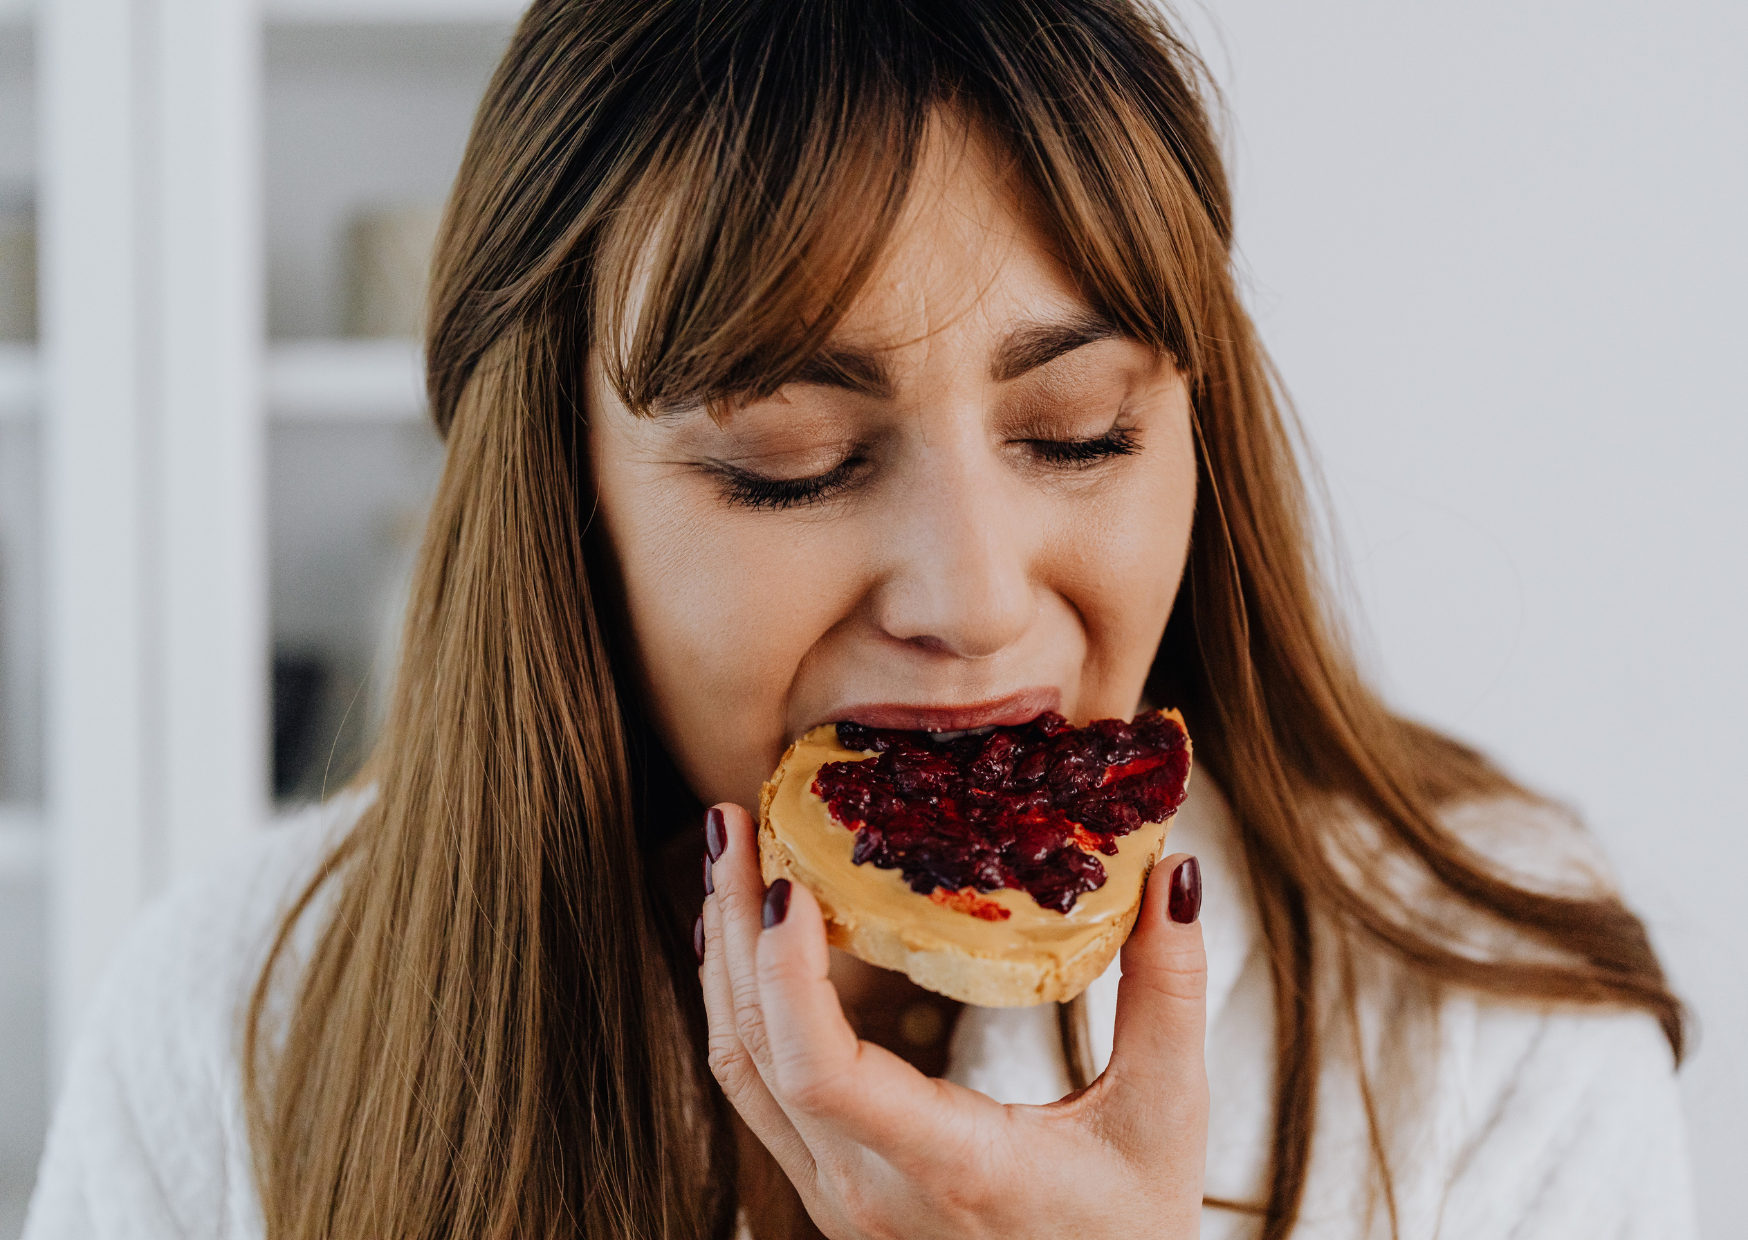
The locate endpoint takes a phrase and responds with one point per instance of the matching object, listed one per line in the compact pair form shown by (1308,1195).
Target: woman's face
(974,506)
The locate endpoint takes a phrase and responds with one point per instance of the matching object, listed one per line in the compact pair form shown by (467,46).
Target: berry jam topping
(1026,807)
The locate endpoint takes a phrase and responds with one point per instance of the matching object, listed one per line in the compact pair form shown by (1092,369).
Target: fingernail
(709,882)
(715,833)
(777,903)
(1184,901)
(698,939)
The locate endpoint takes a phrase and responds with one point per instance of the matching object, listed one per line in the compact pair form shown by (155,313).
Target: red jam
(1026,807)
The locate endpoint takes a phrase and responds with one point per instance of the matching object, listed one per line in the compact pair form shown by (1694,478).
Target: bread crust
(901,940)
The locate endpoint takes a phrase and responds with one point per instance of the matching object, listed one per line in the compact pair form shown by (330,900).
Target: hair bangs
(769,203)
(734,256)
(1135,199)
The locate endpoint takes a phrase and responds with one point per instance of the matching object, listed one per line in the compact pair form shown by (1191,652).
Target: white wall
(1497,250)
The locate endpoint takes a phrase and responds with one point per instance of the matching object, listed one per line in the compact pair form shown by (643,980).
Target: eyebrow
(847,369)
(1025,349)
(1038,344)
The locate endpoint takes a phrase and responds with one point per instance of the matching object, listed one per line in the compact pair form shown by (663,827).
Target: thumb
(1157,1069)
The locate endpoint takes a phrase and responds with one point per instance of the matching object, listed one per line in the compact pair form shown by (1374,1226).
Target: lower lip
(1015,708)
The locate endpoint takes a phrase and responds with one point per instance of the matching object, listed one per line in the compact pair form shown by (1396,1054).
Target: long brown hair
(496,1031)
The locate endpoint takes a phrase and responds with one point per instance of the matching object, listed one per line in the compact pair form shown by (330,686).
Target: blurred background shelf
(342,381)
(23,844)
(20,386)
(341,12)
(321,381)
(307,381)
(386,12)
(358,121)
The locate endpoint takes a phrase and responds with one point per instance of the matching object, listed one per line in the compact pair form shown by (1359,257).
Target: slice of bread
(960,947)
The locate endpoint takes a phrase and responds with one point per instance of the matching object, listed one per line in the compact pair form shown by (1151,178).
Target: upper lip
(1022,706)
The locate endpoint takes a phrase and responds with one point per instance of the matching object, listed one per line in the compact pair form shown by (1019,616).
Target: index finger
(732,934)
(823,1076)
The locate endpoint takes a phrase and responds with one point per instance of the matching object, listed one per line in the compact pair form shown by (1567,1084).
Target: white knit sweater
(1515,1122)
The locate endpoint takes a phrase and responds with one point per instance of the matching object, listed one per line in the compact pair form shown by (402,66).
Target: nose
(961,551)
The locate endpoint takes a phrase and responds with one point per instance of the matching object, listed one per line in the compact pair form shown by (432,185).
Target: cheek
(720,620)
(1121,559)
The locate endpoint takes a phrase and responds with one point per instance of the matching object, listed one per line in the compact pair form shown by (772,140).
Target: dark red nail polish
(715,833)
(1184,900)
(709,882)
(698,939)
(777,903)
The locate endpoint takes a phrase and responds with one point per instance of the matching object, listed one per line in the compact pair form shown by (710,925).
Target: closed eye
(747,489)
(1081,453)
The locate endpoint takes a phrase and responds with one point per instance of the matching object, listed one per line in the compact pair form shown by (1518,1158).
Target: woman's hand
(876,1149)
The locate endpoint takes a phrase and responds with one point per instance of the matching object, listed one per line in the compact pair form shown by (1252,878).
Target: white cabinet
(23,917)
(199,470)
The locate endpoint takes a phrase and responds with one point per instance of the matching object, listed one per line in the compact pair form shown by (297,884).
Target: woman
(814,361)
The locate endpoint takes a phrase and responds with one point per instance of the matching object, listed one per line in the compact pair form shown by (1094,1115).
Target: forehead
(970,255)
